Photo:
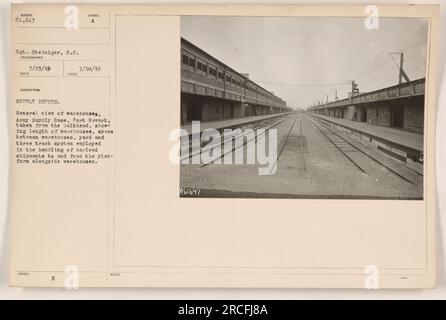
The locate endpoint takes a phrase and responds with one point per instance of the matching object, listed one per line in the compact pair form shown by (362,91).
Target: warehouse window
(221,75)
(213,71)
(192,62)
(185,59)
(201,66)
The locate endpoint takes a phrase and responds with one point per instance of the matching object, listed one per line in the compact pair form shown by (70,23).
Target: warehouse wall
(414,115)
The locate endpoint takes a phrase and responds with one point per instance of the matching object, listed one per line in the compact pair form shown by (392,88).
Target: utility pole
(401,68)
(402,73)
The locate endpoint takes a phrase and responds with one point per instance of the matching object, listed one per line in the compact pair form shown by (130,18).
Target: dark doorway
(397,116)
(194,110)
(248,111)
(363,114)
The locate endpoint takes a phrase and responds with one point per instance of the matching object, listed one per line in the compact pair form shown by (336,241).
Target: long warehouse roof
(183,40)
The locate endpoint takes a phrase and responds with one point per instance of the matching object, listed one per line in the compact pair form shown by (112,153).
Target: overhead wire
(360,77)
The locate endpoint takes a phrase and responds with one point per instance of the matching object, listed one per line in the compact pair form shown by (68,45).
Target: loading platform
(402,145)
(232,123)
(411,140)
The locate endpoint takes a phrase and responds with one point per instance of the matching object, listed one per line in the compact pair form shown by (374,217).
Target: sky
(304,59)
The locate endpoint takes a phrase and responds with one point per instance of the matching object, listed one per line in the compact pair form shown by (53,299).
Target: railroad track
(209,145)
(348,149)
(282,144)
(340,143)
(266,126)
(301,143)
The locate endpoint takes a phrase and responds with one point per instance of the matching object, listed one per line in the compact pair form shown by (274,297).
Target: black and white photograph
(303,107)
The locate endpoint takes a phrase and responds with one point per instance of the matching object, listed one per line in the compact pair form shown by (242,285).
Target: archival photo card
(236,146)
